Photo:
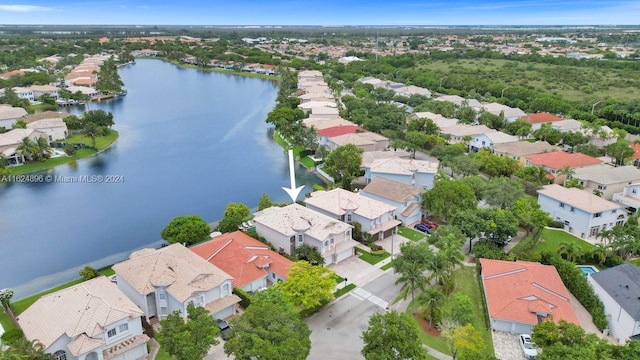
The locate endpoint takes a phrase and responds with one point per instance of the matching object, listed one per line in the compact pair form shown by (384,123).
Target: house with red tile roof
(538,119)
(324,135)
(522,294)
(252,264)
(554,161)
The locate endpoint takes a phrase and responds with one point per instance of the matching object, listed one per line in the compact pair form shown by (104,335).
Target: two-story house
(606,180)
(367,141)
(629,197)
(583,213)
(553,162)
(619,290)
(376,217)
(517,150)
(418,173)
(168,279)
(289,227)
(489,140)
(458,133)
(252,264)
(406,199)
(93,320)
(538,119)
(9,115)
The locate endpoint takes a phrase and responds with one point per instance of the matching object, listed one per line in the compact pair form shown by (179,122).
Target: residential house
(619,290)
(54,129)
(316,97)
(312,105)
(567,125)
(10,141)
(9,115)
(510,114)
(459,101)
(376,217)
(488,140)
(417,173)
(252,264)
(84,90)
(606,179)
(409,90)
(517,150)
(289,227)
(167,280)
(367,141)
(44,115)
(439,120)
(539,119)
(325,111)
(629,197)
(24,93)
(582,213)
(459,132)
(406,199)
(324,123)
(39,90)
(521,294)
(370,156)
(554,161)
(325,135)
(636,154)
(93,320)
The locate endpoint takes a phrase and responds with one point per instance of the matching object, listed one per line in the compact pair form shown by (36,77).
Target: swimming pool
(587,269)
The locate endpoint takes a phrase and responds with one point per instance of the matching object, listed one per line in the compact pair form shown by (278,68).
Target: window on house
(602,187)
(273,275)
(614,211)
(300,239)
(633,191)
(162,295)
(112,333)
(60,355)
(349,233)
(348,217)
(326,243)
(123,328)
(594,231)
(573,209)
(332,241)
(596,215)
(225,289)
(164,311)
(562,205)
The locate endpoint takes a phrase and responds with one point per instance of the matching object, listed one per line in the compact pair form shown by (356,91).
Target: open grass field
(570,82)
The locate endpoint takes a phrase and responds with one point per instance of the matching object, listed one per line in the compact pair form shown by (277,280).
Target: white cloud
(23,8)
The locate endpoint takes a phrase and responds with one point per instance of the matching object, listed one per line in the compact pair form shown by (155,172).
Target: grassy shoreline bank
(102,144)
(221,71)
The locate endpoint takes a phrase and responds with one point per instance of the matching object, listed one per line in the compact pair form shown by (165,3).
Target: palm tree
(43,149)
(309,254)
(439,265)
(27,148)
(92,131)
(322,152)
(432,302)
(412,279)
(541,176)
(599,253)
(567,171)
(571,251)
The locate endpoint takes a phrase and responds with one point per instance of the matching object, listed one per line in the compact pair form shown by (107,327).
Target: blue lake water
(190,142)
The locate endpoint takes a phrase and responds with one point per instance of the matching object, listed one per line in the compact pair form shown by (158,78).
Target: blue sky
(322,12)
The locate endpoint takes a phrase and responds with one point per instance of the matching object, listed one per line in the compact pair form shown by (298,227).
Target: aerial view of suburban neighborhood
(380,181)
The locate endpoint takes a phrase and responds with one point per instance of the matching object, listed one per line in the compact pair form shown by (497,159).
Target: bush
(88,273)
(577,284)
(11,335)
(556,224)
(245,297)
(69,149)
(488,250)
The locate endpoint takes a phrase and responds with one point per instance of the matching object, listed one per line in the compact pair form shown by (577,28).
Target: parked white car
(529,348)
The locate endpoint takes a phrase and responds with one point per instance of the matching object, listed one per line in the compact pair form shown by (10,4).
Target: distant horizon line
(344,25)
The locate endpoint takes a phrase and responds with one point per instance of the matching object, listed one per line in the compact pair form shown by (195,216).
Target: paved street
(336,329)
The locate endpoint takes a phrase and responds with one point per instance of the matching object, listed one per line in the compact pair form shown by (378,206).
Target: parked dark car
(422,227)
(224,329)
(430,224)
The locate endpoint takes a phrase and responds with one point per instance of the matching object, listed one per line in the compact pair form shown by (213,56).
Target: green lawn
(5,321)
(102,143)
(370,258)
(21,305)
(344,290)
(635,262)
(387,267)
(467,284)
(163,355)
(410,233)
(308,162)
(551,240)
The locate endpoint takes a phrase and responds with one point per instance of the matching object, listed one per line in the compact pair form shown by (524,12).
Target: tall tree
(392,336)
(620,150)
(187,229)
(447,197)
(411,264)
(265,202)
(464,341)
(343,164)
(529,213)
(27,148)
(92,131)
(269,329)
(233,216)
(432,302)
(308,286)
(190,339)
(502,192)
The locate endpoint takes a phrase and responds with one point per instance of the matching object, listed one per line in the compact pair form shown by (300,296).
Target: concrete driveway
(336,329)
